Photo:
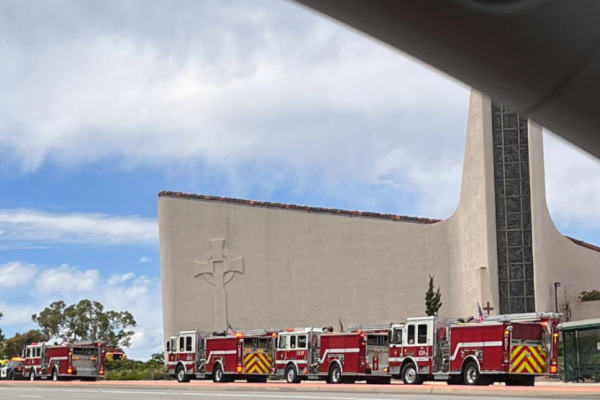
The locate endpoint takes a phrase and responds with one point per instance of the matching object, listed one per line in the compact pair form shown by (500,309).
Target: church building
(256,264)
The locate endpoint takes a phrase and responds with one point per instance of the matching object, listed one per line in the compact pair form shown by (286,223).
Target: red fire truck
(83,361)
(336,357)
(201,355)
(510,348)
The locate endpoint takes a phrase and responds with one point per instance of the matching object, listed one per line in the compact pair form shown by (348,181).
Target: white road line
(31,396)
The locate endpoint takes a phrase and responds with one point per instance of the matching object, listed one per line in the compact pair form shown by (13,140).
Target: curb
(495,390)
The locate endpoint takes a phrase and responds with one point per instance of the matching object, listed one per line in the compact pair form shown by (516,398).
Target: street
(139,394)
(131,390)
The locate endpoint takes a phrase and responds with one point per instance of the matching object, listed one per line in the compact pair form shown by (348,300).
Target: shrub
(590,296)
(132,370)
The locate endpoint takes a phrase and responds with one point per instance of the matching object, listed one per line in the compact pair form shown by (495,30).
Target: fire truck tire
(32,375)
(471,374)
(54,375)
(291,374)
(410,375)
(217,374)
(335,374)
(181,375)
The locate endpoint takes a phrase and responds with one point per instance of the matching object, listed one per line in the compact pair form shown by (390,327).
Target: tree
(15,345)
(86,320)
(2,338)
(433,298)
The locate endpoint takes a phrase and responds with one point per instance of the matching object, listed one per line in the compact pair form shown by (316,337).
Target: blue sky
(105,103)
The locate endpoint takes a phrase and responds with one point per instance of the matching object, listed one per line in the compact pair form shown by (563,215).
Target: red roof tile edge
(583,244)
(333,211)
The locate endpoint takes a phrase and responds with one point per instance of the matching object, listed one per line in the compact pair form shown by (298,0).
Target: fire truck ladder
(523,317)
(258,332)
(370,327)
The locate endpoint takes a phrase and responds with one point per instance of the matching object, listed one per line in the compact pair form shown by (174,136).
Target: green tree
(86,320)
(2,338)
(15,345)
(433,298)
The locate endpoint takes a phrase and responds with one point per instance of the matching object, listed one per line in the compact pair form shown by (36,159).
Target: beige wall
(299,269)
(585,310)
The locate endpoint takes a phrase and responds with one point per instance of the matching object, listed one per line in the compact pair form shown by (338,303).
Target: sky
(105,103)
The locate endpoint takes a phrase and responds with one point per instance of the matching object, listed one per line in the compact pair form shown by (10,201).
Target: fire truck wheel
(217,374)
(471,374)
(54,375)
(181,375)
(32,375)
(410,375)
(291,374)
(335,374)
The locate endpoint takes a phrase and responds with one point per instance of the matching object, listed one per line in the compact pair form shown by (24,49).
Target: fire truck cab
(224,358)
(510,348)
(84,360)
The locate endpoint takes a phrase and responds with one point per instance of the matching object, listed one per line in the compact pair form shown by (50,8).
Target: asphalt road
(150,394)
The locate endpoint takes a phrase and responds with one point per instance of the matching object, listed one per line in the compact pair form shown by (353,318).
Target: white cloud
(116,279)
(572,185)
(16,274)
(139,295)
(145,259)
(19,226)
(277,98)
(67,279)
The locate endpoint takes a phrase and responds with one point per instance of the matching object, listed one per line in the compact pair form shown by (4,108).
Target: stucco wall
(299,269)
(585,310)
(472,228)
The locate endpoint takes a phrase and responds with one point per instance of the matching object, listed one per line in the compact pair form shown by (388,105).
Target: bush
(131,370)
(590,296)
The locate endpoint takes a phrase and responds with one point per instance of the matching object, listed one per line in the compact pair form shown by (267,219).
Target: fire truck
(83,361)
(509,348)
(224,358)
(336,357)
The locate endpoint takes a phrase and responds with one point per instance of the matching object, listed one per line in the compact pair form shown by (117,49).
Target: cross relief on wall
(218,267)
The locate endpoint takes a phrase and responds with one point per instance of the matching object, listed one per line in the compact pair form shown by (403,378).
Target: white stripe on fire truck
(337,351)
(400,359)
(283,362)
(57,359)
(474,344)
(220,353)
